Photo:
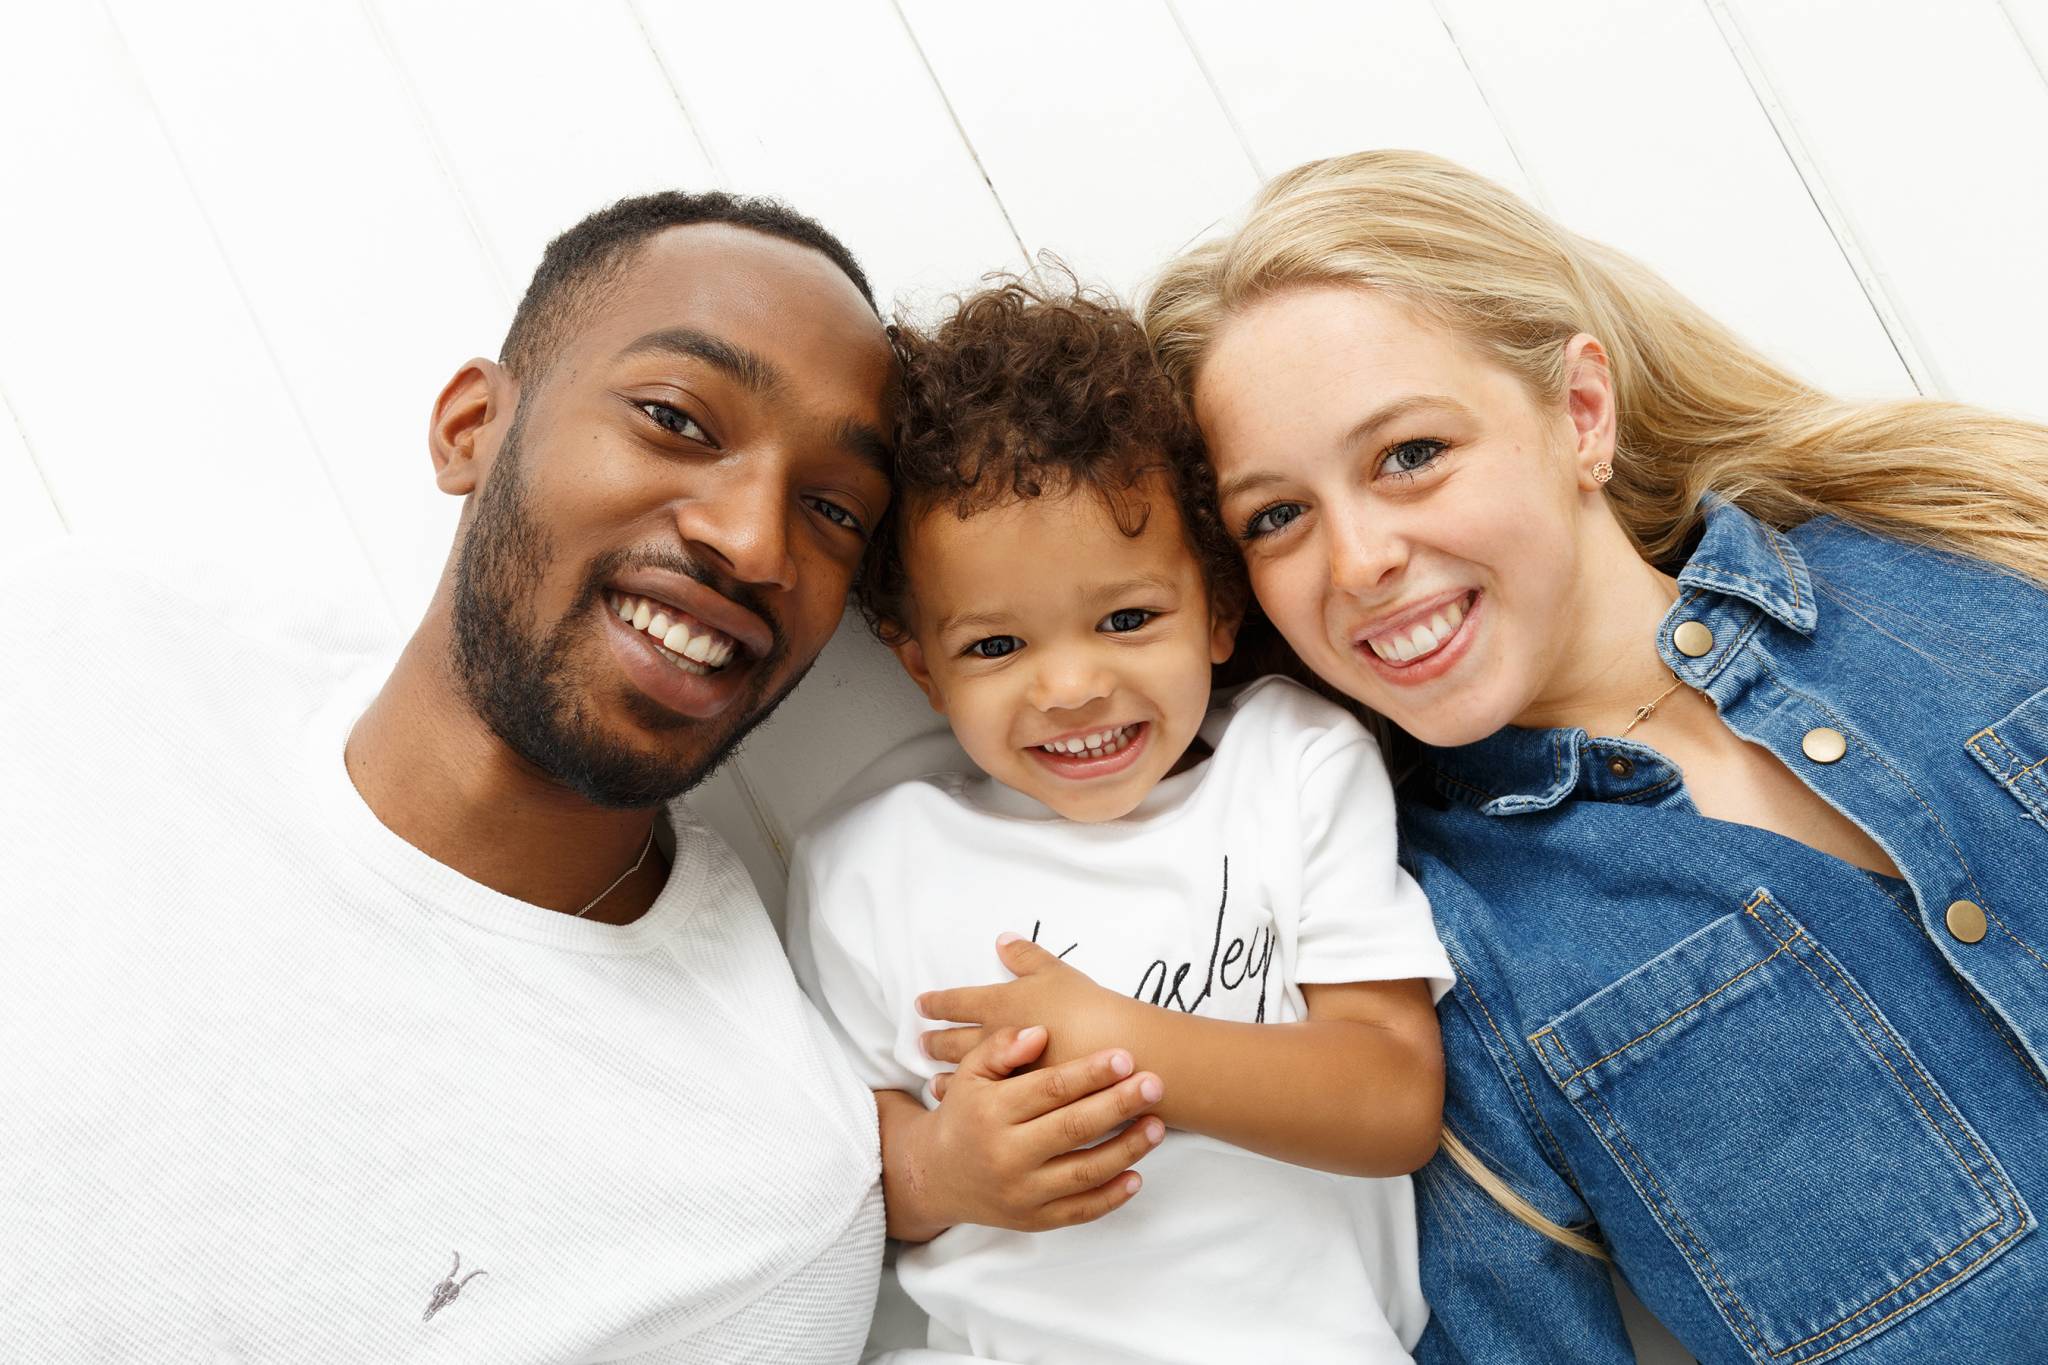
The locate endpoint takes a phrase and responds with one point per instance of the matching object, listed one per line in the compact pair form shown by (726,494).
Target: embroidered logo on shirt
(445,1292)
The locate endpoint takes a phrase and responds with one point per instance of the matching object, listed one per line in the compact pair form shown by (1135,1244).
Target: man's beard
(524,684)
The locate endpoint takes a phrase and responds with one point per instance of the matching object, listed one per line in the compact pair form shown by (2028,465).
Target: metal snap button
(1692,639)
(1621,767)
(1823,744)
(1966,921)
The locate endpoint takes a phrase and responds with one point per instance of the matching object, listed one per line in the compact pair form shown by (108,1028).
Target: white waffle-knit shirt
(267,1070)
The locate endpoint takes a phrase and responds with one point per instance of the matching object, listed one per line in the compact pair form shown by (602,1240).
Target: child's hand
(1080,1016)
(1011,1151)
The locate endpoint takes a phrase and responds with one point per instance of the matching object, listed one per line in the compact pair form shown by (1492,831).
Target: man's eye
(1267,520)
(677,421)
(1126,619)
(1411,457)
(837,515)
(995,647)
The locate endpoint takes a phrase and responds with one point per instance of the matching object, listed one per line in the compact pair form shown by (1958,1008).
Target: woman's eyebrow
(1401,407)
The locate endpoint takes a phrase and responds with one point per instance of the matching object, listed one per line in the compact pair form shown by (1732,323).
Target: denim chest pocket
(2015,752)
(1811,1173)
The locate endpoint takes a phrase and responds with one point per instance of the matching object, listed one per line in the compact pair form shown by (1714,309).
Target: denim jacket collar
(1517,771)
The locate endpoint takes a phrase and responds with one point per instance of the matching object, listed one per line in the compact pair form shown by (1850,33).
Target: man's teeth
(1426,638)
(693,646)
(1101,744)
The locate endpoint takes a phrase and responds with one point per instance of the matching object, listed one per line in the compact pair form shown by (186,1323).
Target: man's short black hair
(579,263)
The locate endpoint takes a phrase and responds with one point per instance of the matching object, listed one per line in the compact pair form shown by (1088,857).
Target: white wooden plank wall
(247,240)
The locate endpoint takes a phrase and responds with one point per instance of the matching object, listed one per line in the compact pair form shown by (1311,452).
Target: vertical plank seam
(436,147)
(769,828)
(1216,92)
(946,102)
(28,448)
(1897,329)
(2026,44)
(675,92)
(1500,124)
(270,353)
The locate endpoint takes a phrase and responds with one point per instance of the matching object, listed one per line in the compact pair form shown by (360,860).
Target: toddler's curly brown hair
(1031,390)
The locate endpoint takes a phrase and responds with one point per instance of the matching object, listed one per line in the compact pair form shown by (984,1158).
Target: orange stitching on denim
(1998,1027)
(1989,1252)
(1844,726)
(1782,945)
(1771,539)
(1872,1044)
(1657,1208)
(1672,1204)
(1465,980)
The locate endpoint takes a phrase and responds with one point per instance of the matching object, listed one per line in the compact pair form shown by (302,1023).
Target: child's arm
(1010,1151)
(1356,1088)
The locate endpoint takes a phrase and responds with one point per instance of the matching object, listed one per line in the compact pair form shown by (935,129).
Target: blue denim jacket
(1805,1111)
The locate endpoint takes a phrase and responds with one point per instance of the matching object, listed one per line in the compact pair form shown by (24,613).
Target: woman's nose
(1364,554)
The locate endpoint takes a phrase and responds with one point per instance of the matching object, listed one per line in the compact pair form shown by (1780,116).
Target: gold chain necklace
(1644,711)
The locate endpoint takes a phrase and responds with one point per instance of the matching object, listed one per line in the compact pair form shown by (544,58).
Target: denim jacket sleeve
(1499,1291)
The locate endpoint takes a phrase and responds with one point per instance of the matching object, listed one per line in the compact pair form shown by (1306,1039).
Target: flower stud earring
(1603,471)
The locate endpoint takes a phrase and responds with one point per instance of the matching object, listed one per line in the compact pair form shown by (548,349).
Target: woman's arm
(1357,1088)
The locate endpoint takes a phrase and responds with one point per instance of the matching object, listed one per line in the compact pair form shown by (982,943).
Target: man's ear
(470,419)
(910,654)
(1589,402)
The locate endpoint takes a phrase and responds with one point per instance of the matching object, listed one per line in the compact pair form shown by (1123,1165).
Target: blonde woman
(1727,769)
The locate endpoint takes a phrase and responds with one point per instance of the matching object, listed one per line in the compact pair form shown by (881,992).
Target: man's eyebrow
(753,373)
(870,445)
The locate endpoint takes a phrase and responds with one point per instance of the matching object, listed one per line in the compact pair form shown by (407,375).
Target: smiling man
(378,1012)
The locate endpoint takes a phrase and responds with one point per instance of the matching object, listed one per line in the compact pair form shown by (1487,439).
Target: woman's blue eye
(995,647)
(1126,619)
(1271,519)
(675,420)
(1411,456)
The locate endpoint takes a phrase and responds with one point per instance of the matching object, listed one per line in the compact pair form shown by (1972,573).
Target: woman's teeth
(1101,744)
(1418,640)
(691,646)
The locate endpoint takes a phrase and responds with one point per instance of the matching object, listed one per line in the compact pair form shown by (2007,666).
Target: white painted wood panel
(357,260)
(1304,79)
(1640,129)
(1094,122)
(1911,115)
(127,354)
(541,111)
(28,519)
(829,106)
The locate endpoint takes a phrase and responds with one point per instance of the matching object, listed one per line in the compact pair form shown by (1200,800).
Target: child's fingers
(1065,1119)
(1091,1167)
(1000,1051)
(1087,1207)
(952,1044)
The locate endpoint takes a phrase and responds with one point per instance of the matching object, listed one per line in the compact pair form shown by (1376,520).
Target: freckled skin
(1041,567)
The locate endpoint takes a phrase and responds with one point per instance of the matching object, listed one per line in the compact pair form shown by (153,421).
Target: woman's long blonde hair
(1699,410)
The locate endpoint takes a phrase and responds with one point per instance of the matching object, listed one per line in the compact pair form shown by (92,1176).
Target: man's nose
(1067,680)
(1364,553)
(744,525)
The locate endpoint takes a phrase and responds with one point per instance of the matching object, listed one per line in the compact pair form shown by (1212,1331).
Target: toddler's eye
(1411,457)
(1125,619)
(1268,520)
(995,647)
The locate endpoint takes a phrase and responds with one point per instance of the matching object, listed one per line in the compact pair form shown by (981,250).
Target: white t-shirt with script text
(1267,867)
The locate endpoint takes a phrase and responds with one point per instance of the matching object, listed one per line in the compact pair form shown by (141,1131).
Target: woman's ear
(468,425)
(910,654)
(1589,402)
